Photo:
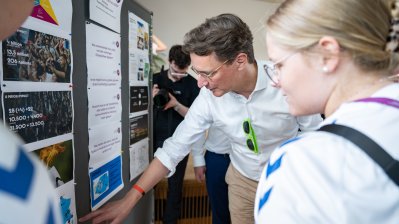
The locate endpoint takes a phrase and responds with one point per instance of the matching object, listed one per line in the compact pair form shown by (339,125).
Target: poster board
(143,212)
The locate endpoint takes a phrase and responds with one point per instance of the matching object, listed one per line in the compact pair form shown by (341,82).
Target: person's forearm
(181,109)
(152,175)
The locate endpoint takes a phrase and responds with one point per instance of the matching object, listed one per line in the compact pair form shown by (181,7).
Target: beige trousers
(242,191)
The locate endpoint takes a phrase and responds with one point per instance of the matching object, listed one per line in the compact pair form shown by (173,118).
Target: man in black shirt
(177,91)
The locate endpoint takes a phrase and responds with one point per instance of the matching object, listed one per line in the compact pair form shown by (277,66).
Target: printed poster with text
(36,93)
(139,72)
(103,57)
(104,113)
(138,99)
(139,51)
(139,142)
(107,13)
(105,165)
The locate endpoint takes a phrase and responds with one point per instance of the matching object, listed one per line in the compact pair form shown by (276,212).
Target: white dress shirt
(265,107)
(216,141)
(324,178)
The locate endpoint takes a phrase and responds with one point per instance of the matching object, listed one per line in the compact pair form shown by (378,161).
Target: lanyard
(381,100)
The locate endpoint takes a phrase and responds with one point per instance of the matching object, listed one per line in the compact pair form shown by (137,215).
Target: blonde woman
(337,58)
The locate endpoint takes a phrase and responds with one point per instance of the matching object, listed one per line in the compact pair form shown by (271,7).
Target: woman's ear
(330,51)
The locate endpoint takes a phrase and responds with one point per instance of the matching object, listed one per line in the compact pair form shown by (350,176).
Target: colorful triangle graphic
(44,11)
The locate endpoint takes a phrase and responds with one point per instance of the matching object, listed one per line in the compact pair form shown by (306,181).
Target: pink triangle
(39,13)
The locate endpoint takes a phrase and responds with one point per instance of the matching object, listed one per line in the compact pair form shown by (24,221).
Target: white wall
(173,18)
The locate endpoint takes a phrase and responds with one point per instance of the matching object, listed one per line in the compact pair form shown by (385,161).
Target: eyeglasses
(208,74)
(176,73)
(272,69)
(251,137)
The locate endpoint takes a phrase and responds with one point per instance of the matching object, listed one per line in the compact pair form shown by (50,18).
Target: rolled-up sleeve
(191,130)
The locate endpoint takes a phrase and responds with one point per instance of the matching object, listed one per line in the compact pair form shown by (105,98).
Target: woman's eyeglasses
(251,137)
(272,69)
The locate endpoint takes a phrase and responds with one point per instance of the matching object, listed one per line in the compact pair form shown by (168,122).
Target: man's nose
(202,81)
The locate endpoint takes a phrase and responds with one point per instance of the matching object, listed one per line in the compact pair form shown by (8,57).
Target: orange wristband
(139,189)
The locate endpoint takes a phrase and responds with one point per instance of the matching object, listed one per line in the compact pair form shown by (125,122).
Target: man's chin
(218,92)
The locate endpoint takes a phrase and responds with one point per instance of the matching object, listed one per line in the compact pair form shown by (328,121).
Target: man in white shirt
(237,98)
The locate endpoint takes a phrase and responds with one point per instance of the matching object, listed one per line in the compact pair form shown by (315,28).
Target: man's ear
(242,59)
(330,51)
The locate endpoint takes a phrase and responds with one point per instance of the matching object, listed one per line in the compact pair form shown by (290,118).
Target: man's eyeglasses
(273,69)
(208,74)
(175,73)
(251,137)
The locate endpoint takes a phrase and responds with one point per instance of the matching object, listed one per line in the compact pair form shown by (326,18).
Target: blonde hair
(361,27)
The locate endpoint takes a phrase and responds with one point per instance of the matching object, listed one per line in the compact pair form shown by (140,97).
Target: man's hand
(113,212)
(200,173)
(172,102)
(155,90)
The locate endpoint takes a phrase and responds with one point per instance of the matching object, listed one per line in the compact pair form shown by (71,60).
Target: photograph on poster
(101,184)
(33,56)
(138,128)
(58,159)
(38,115)
(140,36)
(138,98)
(143,69)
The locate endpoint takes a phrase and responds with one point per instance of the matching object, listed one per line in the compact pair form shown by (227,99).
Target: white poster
(104,112)
(104,106)
(139,51)
(103,57)
(139,143)
(105,142)
(105,165)
(107,13)
(138,157)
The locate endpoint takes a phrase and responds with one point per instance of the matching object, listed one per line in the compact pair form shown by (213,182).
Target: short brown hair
(226,35)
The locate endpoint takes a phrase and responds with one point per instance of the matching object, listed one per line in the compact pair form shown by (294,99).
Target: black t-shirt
(165,122)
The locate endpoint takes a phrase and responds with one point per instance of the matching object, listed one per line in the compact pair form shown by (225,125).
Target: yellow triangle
(47,7)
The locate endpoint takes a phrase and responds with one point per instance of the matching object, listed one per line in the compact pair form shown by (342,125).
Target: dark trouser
(216,168)
(174,197)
